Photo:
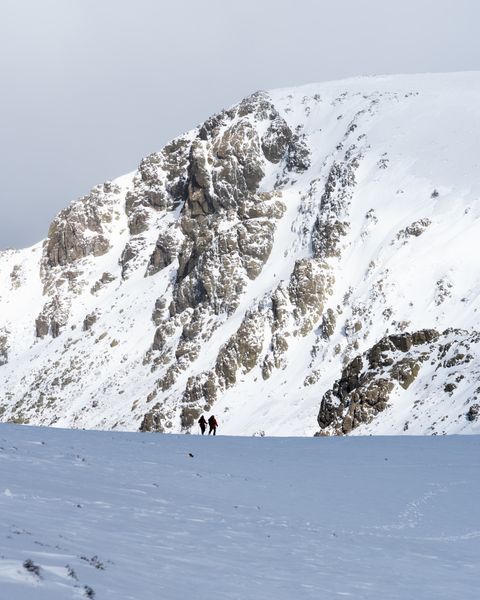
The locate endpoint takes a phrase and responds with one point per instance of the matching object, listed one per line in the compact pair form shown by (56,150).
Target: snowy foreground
(134,516)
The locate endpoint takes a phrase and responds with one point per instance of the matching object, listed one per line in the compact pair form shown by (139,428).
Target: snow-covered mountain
(309,252)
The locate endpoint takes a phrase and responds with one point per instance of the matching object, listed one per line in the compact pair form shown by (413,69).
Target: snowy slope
(131,516)
(242,269)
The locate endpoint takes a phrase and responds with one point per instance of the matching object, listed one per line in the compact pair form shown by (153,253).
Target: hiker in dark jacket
(203,424)
(212,423)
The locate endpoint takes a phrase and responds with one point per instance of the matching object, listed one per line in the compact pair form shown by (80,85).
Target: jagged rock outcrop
(226,165)
(52,318)
(367,382)
(78,231)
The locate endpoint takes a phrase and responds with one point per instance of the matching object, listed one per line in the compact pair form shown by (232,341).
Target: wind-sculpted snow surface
(252,266)
(123,515)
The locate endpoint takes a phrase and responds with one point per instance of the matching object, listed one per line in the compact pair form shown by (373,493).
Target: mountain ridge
(248,264)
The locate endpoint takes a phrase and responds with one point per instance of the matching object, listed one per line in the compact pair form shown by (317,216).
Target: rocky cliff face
(307,251)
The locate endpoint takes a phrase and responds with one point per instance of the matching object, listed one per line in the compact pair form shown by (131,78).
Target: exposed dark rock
(242,350)
(165,252)
(159,312)
(405,371)
(189,416)
(31,567)
(153,420)
(162,333)
(415,229)
(139,216)
(42,326)
(52,318)
(104,280)
(16,276)
(78,231)
(130,252)
(424,336)
(214,268)
(330,226)
(276,139)
(328,323)
(364,387)
(3,347)
(310,283)
(473,412)
(458,359)
(89,321)
(201,390)
(298,159)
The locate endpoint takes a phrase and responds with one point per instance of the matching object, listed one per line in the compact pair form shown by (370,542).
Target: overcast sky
(88,87)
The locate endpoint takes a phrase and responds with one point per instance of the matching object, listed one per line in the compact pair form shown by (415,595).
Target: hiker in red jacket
(203,424)
(212,423)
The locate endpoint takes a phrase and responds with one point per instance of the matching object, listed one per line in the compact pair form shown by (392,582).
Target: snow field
(136,517)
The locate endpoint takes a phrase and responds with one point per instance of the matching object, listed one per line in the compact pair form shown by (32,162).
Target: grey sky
(88,87)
